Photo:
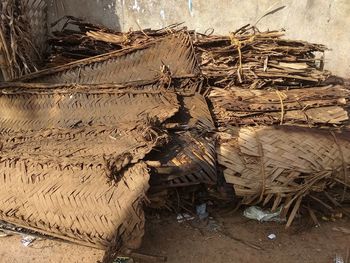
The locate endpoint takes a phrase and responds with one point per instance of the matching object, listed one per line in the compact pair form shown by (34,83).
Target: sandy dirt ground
(229,238)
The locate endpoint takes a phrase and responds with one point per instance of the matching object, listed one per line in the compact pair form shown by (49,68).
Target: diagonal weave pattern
(190,157)
(39,107)
(97,145)
(133,64)
(285,162)
(64,201)
(23,32)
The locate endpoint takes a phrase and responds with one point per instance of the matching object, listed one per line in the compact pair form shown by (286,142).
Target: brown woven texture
(70,158)
(283,164)
(134,64)
(189,158)
(23,30)
(74,202)
(111,147)
(307,106)
(36,106)
(83,184)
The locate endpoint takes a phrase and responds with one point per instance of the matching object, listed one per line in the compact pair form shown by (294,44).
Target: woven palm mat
(64,201)
(189,158)
(283,165)
(83,184)
(70,159)
(22,36)
(37,106)
(175,52)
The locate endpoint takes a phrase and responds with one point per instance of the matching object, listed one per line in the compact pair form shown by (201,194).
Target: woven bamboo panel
(36,106)
(134,64)
(23,32)
(309,106)
(285,162)
(74,202)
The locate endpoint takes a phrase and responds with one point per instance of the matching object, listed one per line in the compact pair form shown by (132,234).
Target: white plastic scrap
(256,213)
(27,240)
(272,236)
(184,217)
(338,259)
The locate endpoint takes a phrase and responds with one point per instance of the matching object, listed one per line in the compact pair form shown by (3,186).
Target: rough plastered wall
(322,21)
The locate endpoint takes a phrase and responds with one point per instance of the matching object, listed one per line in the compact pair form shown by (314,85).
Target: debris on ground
(28,240)
(256,213)
(202,211)
(272,236)
(169,119)
(184,217)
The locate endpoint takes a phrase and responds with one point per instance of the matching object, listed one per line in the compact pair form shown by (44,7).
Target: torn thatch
(22,36)
(172,55)
(38,106)
(77,39)
(283,165)
(189,158)
(316,106)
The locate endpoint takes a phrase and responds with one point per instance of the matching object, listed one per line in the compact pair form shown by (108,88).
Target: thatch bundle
(160,105)
(283,165)
(314,106)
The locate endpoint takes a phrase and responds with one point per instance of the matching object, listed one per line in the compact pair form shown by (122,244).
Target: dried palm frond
(255,59)
(37,106)
(283,165)
(22,36)
(173,54)
(316,106)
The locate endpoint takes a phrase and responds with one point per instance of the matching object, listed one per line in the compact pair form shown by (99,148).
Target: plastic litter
(256,213)
(27,240)
(184,217)
(202,211)
(272,236)
(338,259)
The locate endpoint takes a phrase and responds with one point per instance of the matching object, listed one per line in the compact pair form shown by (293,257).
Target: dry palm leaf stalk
(316,106)
(172,55)
(22,36)
(26,106)
(282,166)
(255,59)
(78,39)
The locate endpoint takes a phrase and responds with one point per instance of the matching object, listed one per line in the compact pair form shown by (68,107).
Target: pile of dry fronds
(185,98)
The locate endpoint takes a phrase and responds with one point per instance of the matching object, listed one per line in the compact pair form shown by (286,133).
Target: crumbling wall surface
(325,21)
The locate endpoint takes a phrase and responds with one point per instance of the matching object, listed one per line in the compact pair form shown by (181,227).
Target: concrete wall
(321,21)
